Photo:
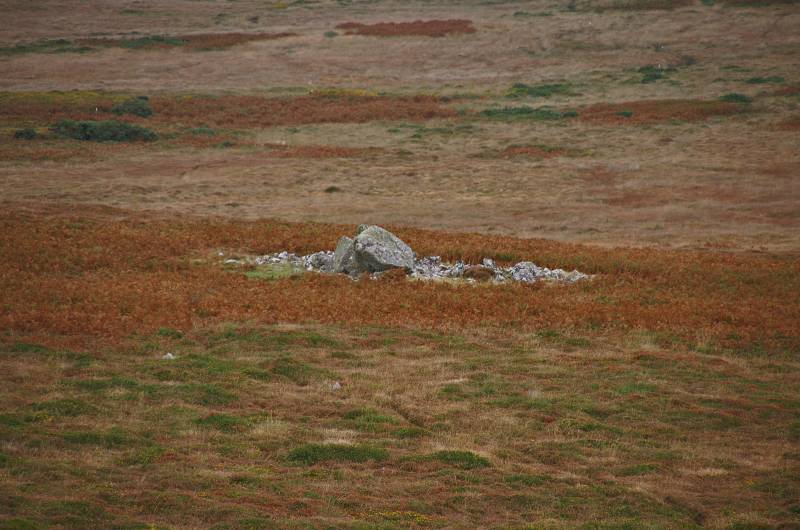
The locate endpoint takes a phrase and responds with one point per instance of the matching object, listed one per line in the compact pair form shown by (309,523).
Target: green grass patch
(112,439)
(736,98)
(226,423)
(636,388)
(169,333)
(274,271)
(151,41)
(205,394)
(528,113)
(27,347)
(138,106)
(44,46)
(62,408)
(102,131)
(369,419)
(518,480)
(652,73)
(638,469)
(310,454)
(759,80)
(540,91)
(459,459)
(406,433)
(298,372)
(27,133)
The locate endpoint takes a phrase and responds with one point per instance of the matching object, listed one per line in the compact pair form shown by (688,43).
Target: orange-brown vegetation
(224,111)
(199,41)
(101,274)
(787,91)
(532,151)
(426,28)
(257,111)
(653,111)
(790,124)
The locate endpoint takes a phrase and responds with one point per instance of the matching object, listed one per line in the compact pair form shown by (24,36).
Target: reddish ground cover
(224,111)
(426,28)
(652,111)
(104,274)
(200,41)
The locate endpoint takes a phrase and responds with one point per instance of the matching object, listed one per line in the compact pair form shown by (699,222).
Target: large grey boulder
(344,256)
(378,250)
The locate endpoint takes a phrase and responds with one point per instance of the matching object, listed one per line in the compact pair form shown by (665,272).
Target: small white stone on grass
(168,356)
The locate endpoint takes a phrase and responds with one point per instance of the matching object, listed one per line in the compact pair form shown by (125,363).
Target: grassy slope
(583,406)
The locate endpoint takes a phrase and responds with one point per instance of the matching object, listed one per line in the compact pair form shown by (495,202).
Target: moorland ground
(653,144)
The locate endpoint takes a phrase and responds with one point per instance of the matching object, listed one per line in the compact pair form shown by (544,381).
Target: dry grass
(424,28)
(316,151)
(532,151)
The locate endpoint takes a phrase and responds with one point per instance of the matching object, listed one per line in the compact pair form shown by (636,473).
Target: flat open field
(653,144)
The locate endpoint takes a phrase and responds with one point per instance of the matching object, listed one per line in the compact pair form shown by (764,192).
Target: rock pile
(375,250)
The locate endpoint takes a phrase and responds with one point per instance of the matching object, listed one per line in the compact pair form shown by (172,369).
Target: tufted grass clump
(103,131)
(138,106)
(310,454)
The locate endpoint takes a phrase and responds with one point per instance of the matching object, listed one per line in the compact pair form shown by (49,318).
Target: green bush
(25,134)
(736,98)
(540,91)
(765,80)
(139,106)
(103,131)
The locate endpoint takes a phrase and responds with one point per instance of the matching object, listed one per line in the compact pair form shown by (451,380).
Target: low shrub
(25,134)
(765,80)
(540,91)
(736,98)
(103,131)
(138,106)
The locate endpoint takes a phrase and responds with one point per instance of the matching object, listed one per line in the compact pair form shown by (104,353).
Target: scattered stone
(322,261)
(383,255)
(168,356)
(377,249)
